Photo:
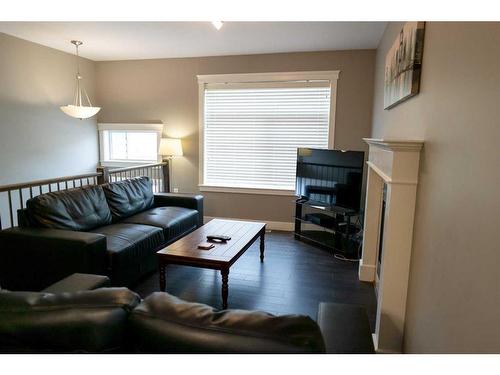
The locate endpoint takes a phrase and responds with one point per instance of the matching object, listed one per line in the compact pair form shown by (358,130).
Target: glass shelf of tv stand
(327,208)
(341,228)
(326,229)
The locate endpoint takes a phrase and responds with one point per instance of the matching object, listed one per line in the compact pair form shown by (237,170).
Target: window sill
(239,190)
(127,163)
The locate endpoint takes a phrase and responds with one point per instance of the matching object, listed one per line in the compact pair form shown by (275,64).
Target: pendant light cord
(77,61)
(78,93)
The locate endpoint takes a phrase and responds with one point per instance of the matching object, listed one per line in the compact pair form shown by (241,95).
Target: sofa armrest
(194,202)
(33,258)
(78,282)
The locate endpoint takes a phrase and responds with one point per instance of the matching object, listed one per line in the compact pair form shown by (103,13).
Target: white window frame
(145,128)
(203,80)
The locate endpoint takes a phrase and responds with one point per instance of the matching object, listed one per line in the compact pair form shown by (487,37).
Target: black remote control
(218,238)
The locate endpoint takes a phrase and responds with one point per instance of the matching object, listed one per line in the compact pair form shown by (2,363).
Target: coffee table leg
(262,235)
(163,282)
(225,287)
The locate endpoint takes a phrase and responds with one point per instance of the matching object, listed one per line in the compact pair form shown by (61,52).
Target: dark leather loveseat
(113,229)
(65,319)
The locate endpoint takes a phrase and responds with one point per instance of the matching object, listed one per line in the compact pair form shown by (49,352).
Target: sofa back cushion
(129,197)
(88,321)
(163,323)
(79,209)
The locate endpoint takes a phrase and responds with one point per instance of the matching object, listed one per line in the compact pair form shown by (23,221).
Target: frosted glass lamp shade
(170,147)
(80,111)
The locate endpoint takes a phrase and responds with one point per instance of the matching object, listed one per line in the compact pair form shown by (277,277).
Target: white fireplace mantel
(394,163)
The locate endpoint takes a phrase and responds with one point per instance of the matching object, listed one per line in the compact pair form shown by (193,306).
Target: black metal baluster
(21,197)
(10,209)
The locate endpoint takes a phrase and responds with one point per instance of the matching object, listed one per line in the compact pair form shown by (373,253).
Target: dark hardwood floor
(293,279)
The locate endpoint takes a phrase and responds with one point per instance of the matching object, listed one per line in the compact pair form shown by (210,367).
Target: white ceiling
(148,40)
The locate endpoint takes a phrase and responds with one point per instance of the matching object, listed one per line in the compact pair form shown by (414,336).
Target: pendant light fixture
(78,109)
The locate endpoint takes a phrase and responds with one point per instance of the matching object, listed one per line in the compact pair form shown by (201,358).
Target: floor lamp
(170,147)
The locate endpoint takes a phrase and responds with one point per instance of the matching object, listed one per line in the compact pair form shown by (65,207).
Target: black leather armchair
(31,258)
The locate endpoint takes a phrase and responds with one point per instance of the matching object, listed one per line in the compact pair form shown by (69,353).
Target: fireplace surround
(393,164)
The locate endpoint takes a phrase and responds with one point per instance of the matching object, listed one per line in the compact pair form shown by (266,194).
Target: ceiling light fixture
(217,24)
(78,109)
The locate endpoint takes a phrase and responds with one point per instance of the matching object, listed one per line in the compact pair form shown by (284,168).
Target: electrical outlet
(176,190)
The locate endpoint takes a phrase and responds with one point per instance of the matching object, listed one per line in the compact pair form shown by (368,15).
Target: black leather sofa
(65,319)
(113,229)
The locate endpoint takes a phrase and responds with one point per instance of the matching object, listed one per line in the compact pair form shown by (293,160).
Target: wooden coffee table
(221,257)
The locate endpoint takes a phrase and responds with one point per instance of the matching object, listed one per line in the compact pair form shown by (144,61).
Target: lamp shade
(80,111)
(170,147)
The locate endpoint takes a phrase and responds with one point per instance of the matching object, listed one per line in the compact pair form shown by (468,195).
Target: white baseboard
(366,272)
(272,225)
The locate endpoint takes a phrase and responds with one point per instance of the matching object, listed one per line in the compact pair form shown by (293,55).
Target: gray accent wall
(37,140)
(454,287)
(166,90)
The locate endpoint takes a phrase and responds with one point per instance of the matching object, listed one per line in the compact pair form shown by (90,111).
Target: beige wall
(166,90)
(454,291)
(37,140)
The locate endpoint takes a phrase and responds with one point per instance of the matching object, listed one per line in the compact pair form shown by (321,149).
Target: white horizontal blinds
(252,134)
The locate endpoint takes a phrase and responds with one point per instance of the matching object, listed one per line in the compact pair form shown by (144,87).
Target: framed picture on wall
(403,64)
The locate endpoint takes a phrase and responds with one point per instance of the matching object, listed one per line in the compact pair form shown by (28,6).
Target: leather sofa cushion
(77,282)
(163,323)
(175,221)
(78,209)
(88,321)
(128,197)
(127,245)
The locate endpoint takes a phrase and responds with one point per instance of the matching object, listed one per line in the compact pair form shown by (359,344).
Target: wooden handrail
(25,185)
(160,183)
(137,167)
(157,172)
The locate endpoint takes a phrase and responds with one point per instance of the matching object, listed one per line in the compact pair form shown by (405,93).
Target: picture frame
(403,65)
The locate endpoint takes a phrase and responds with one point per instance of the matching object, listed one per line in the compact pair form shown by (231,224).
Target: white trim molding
(328,75)
(330,78)
(395,145)
(246,190)
(122,126)
(104,128)
(272,225)
(394,163)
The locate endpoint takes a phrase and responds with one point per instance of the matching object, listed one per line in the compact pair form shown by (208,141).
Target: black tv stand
(335,228)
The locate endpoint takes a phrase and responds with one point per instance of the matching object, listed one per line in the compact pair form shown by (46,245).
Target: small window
(133,145)
(126,143)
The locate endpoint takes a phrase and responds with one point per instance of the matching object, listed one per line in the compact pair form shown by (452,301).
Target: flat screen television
(330,177)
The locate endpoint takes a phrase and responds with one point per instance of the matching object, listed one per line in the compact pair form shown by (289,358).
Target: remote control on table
(218,238)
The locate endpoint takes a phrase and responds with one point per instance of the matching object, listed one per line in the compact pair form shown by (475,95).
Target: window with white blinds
(252,132)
